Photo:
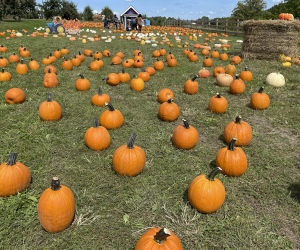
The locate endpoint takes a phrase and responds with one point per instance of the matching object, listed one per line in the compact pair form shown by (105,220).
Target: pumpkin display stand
(267,39)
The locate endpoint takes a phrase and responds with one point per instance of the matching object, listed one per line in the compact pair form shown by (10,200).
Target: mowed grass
(261,209)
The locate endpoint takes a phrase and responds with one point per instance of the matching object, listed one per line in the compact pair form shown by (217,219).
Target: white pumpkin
(18,34)
(217,45)
(224,41)
(275,79)
(224,80)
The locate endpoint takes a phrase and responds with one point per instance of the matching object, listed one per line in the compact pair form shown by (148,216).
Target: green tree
(288,6)
(249,9)
(107,12)
(51,8)
(69,10)
(88,13)
(17,8)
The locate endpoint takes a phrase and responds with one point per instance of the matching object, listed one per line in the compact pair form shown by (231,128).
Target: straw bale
(267,39)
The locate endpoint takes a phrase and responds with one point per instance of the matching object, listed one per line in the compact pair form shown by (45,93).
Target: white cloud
(116,13)
(208,15)
(160,11)
(128,0)
(96,11)
(212,12)
(182,12)
(191,12)
(221,9)
(276,1)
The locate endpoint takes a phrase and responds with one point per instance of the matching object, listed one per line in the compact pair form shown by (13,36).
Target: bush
(88,13)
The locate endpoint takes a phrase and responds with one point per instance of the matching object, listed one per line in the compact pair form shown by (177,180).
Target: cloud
(96,11)
(160,11)
(191,12)
(208,15)
(221,9)
(116,13)
(182,5)
(212,12)
(128,0)
(276,1)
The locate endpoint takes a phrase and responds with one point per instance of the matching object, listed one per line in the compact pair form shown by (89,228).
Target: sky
(191,10)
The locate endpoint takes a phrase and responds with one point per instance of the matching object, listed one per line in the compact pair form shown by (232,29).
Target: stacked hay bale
(97,18)
(267,39)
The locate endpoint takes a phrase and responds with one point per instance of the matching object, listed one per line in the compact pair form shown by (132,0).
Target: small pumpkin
(164,95)
(80,56)
(129,160)
(64,51)
(207,193)
(260,100)
(53,58)
(203,73)
(14,95)
(25,53)
(168,111)
(156,53)
(236,60)
(111,118)
(116,60)
(106,53)
(169,56)
(230,69)
(3,48)
(82,84)
(217,104)
(4,76)
(50,80)
(144,75)
(137,84)
(14,177)
(56,207)
(97,137)
(94,65)
(100,99)
(138,63)
(207,62)
(127,64)
(14,58)
(150,70)
(185,136)
(57,53)
(232,160)
(124,77)
(50,110)
(191,86)
(215,54)
(237,86)
(67,64)
(218,70)
(172,62)
(158,238)
(223,57)
(158,65)
(205,52)
(51,68)
(246,75)
(162,52)
(76,61)
(22,68)
(47,61)
(112,79)
(3,62)
(120,54)
(33,64)
(238,129)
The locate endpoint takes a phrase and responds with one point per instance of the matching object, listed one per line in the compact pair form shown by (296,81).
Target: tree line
(244,10)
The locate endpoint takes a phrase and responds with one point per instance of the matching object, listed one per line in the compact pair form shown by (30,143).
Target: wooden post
(208,24)
(226,25)
(237,25)
(202,23)
(217,23)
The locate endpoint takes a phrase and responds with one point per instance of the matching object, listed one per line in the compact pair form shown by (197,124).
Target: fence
(225,26)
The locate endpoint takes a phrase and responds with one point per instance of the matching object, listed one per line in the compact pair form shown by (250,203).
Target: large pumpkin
(275,79)
(14,95)
(97,138)
(232,160)
(191,86)
(14,176)
(56,207)
(100,99)
(206,193)
(82,83)
(238,129)
(260,100)
(217,104)
(185,136)
(129,159)
(158,239)
(164,95)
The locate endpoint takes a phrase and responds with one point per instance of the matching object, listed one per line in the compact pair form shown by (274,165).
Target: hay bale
(267,39)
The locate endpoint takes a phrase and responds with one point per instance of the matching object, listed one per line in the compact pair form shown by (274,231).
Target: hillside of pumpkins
(113,211)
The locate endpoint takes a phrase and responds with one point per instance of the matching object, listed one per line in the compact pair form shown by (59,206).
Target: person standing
(115,20)
(139,22)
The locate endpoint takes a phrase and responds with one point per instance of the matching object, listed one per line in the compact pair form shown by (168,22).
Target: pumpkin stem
(14,53)
(231,144)
(100,91)
(49,99)
(131,141)
(162,235)
(213,173)
(24,49)
(88,66)
(96,123)
(2,70)
(31,59)
(55,184)
(157,59)
(79,53)
(66,59)
(21,61)
(12,159)
(105,78)
(194,78)
(236,76)
(81,75)
(185,124)
(50,54)
(143,70)
(1,57)
(58,50)
(123,71)
(218,95)
(238,119)
(261,89)
(170,100)
(111,107)
(49,71)
(74,56)
(246,68)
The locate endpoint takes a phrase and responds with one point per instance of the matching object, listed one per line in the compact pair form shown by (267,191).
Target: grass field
(261,208)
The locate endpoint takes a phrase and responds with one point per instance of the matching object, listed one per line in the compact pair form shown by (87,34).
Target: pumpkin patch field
(123,144)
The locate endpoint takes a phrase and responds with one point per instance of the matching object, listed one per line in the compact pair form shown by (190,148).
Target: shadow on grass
(185,196)
(294,189)
(221,138)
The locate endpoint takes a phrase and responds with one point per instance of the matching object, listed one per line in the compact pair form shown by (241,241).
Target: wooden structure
(129,14)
